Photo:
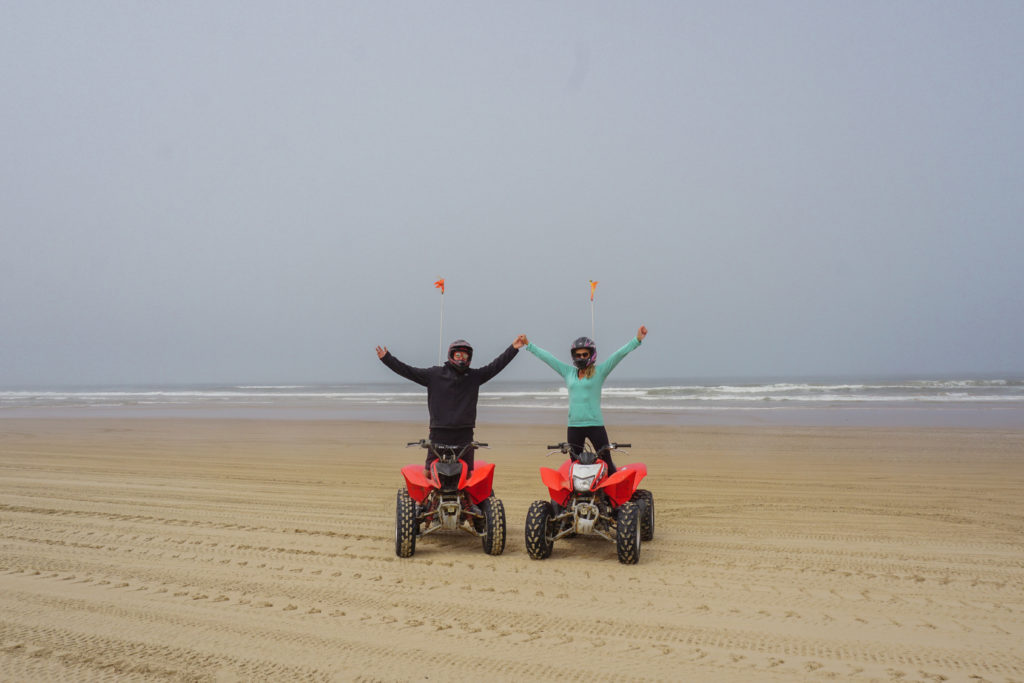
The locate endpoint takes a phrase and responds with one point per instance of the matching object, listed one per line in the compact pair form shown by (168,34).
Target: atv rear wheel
(627,533)
(405,525)
(539,541)
(646,500)
(494,526)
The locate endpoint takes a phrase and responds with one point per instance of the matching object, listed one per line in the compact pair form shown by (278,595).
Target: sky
(265,191)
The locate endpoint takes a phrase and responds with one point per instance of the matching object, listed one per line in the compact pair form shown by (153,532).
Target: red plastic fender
(419,486)
(638,467)
(557,483)
(565,469)
(481,482)
(620,486)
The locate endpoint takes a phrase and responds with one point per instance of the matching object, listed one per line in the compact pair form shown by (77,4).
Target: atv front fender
(419,486)
(481,482)
(638,467)
(620,486)
(557,483)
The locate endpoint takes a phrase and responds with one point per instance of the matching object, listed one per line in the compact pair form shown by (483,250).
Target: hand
(382,351)
(520,341)
(641,333)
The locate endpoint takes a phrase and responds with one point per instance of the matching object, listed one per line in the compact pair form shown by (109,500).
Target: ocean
(957,402)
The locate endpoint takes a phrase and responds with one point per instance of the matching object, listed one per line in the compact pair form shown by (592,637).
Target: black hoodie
(451,393)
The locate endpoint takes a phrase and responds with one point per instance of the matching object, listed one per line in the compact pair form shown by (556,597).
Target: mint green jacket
(584,394)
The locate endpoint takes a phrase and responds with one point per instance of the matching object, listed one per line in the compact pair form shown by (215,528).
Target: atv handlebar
(447,452)
(426,443)
(566,447)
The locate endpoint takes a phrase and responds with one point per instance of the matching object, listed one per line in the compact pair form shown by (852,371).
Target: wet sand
(238,550)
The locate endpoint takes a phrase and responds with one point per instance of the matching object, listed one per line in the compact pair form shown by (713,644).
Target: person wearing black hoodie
(452,391)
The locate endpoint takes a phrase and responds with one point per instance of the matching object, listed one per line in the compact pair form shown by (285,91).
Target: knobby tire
(405,525)
(538,540)
(627,533)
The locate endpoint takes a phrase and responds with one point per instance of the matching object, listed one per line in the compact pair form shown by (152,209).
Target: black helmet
(583,343)
(460,345)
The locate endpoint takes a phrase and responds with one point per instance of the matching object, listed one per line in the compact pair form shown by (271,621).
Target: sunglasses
(581,354)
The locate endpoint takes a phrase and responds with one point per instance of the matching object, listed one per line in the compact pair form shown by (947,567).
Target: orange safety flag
(593,286)
(440,285)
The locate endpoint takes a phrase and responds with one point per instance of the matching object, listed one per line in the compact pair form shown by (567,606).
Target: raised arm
(558,366)
(418,375)
(488,371)
(614,359)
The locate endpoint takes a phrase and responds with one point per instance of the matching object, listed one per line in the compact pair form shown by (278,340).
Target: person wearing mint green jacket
(584,379)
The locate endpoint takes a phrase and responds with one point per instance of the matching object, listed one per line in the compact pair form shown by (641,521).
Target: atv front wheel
(405,525)
(646,500)
(494,523)
(627,533)
(539,541)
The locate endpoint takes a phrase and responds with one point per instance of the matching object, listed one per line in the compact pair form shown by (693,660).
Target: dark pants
(598,435)
(452,437)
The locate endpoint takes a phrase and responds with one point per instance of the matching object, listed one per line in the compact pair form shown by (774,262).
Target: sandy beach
(239,550)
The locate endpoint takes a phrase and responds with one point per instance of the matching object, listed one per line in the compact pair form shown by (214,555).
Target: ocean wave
(543,395)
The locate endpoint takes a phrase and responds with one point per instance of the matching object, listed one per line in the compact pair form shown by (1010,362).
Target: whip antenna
(593,286)
(440,333)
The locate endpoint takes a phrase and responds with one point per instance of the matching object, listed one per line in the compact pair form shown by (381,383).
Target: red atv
(448,497)
(585,500)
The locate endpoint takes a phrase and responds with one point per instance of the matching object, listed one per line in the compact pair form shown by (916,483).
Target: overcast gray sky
(264,191)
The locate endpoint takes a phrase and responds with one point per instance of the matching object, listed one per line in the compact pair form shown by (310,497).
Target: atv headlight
(582,484)
(583,476)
